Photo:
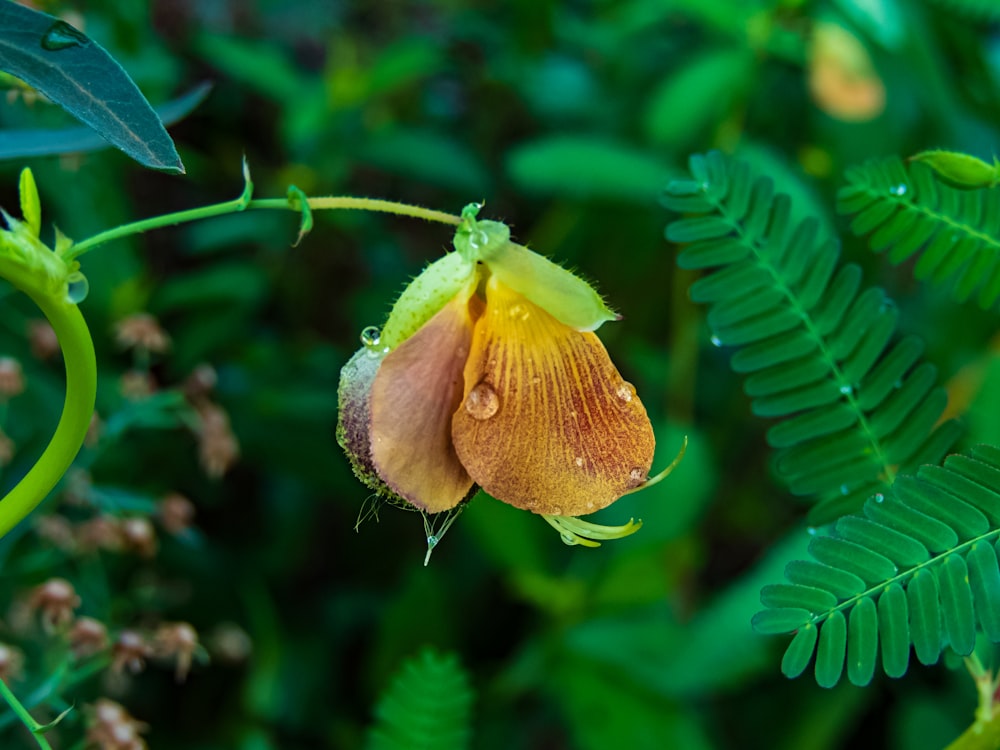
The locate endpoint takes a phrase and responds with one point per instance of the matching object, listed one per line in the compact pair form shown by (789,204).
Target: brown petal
(416,390)
(547,423)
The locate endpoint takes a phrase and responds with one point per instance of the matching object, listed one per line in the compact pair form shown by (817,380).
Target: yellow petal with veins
(416,390)
(547,423)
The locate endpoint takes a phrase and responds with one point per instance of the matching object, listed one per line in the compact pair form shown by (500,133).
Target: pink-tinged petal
(547,423)
(415,392)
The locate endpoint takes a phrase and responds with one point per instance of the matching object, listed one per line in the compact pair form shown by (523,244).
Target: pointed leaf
(76,72)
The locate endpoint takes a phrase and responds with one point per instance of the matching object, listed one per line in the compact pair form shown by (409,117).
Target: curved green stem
(81,389)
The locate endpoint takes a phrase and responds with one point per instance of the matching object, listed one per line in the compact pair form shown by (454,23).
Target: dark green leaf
(75,71)
(17,144)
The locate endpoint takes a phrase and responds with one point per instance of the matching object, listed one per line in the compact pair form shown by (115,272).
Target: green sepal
(561,293)
(31,208)
(962,170)
(441,281)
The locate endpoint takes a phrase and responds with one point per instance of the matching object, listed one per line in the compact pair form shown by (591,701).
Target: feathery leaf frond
(427,707)
(908,211)
(917,566)
(855,409)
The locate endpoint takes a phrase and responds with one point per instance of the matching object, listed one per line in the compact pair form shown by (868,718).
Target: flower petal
(416,390)
(547,423)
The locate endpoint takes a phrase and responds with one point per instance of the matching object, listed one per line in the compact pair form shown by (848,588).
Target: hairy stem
(244,203)
(81,389)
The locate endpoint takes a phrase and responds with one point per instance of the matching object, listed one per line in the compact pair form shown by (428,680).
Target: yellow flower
(488,374)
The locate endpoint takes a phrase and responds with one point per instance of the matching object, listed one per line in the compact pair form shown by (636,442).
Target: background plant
(569,119)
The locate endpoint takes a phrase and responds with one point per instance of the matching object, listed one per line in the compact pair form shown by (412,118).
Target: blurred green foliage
(567,118)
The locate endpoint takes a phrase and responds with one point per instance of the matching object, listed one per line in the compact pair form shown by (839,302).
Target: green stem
(243,203)
(78,410)
(27,719)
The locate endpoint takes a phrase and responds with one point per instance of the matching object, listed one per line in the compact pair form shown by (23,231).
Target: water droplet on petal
(371,336)
(844,489)
(898,189)
(77,288)
(847,390)
(625,392)
(432,541)
(578,462)
(716,341)
(637,475)
(61,35)
(556,511)
(482,402)
(879,497)
(811,531)
(518,311)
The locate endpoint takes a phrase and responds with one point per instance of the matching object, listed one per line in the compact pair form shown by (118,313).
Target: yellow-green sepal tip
(961,170)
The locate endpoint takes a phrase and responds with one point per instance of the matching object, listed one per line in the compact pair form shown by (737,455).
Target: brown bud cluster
(111,727)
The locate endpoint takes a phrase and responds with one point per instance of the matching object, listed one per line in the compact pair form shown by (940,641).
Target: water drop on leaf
(61,35)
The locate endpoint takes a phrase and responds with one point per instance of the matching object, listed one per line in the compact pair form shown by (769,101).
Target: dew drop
(578,462)
(478,240)
(519,312)
(844,489)
(536,380)
(568,539)
(879,497)
(811,531)
(371,336)
(432,541)
(77,288)
(637,475)
(482,402)
(716,341)
(847,390)
(61,35)
(898,189)
(625,392)
(556,511)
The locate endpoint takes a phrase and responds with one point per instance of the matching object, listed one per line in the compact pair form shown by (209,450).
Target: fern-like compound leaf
(907,211)
(427,707)
(854,407)
(916,568)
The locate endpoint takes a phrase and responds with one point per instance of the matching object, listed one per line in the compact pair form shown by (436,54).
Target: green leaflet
(917,567)
(427,707)
(852,407)
(909,211)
